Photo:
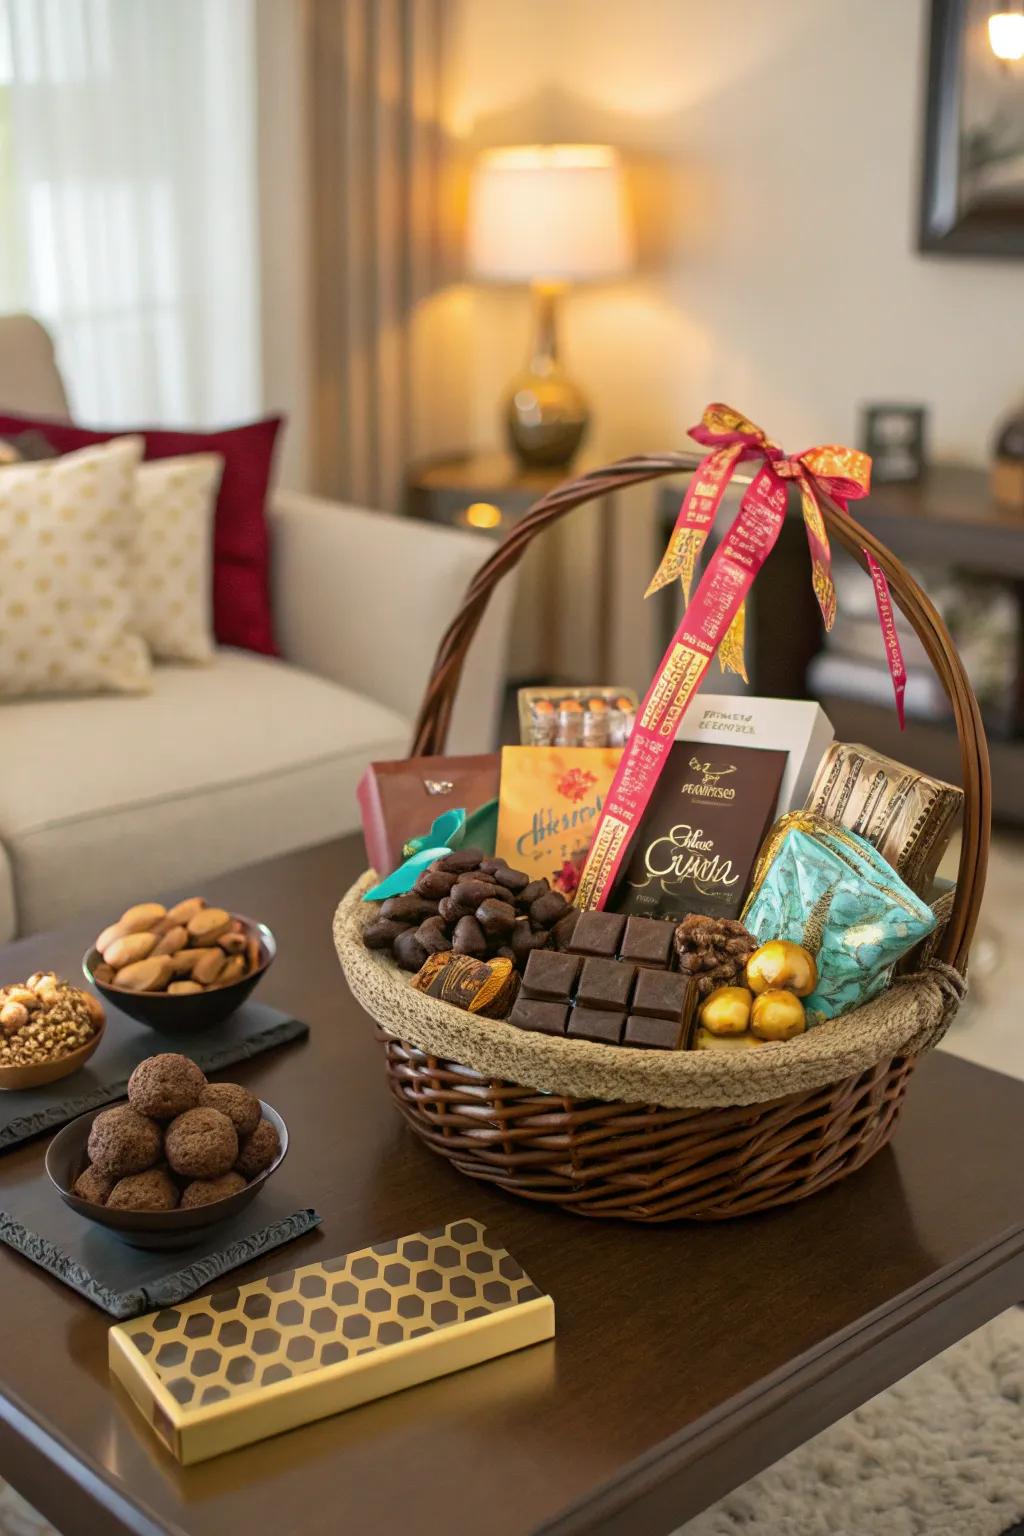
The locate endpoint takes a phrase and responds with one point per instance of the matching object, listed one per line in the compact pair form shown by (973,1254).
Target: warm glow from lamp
(482,514)
(549,213)
(1006,35)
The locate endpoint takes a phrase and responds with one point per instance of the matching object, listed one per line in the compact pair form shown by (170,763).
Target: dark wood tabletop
(686,1357)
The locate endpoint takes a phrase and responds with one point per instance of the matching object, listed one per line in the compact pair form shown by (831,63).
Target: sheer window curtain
(129,201)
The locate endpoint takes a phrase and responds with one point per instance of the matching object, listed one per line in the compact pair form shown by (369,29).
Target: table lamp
(548,215)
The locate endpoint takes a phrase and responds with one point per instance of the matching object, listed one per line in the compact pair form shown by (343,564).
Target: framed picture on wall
(973,191)
(894,437)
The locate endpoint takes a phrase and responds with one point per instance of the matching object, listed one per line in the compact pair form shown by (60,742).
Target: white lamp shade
(549,212)
(1006,35)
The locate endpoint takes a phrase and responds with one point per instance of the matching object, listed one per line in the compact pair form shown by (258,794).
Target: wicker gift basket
(658,1136)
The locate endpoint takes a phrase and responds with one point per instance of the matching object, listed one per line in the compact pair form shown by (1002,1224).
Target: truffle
(165,1086)
(206,1191)
(259,1150)
(201,1143)
(152,1191)
(94,1186)
(122,1141)
(241,1107)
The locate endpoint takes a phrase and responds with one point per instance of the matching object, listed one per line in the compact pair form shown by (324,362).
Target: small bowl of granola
(48,1029)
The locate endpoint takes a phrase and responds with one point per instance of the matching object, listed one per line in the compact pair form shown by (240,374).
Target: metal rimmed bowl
(67,1156)
(195,1011)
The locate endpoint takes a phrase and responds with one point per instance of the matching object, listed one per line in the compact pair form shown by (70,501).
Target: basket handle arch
(439,696)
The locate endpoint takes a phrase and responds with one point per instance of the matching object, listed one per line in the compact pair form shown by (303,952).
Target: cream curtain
(128,201)
(375,71)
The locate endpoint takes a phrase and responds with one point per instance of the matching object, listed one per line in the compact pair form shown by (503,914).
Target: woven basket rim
(910,1017)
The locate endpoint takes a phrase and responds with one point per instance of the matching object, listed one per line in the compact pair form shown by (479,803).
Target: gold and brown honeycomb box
(213,1374)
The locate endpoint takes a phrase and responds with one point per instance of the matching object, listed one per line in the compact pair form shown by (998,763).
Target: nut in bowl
(48,1029)
(179,1156)
(182,969)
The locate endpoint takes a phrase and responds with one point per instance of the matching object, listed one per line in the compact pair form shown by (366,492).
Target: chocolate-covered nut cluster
(475,905)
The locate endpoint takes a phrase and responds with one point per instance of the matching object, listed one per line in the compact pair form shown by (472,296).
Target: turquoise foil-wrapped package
(818,885)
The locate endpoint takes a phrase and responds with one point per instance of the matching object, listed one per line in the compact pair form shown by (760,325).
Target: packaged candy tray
(658,1136)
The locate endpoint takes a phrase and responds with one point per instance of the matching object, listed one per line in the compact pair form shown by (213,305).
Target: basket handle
(439,696)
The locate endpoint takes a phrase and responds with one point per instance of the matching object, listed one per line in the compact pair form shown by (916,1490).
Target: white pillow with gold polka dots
(172,555)
(67,604)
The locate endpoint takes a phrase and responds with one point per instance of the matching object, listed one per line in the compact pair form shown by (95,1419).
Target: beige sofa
(105,800)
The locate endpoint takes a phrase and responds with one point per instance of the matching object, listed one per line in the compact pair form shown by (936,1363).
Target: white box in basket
(797,726)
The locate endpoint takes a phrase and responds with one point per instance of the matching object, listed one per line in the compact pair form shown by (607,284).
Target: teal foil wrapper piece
(452,829)
(836,895)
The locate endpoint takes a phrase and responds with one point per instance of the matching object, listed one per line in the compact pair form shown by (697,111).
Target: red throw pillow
(241,543)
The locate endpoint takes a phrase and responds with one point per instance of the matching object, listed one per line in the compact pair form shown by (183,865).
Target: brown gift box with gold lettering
(695,848)
(249,1362)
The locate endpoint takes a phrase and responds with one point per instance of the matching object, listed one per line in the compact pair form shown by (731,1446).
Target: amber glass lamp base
(546,416)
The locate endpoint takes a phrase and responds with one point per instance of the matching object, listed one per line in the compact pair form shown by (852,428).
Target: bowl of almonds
(48,1029)
(183,968)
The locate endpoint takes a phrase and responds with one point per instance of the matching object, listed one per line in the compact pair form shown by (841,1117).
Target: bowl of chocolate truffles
(178,1156)
(48,1029)
(180,969)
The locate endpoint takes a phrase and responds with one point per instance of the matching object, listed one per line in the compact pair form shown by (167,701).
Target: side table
(555,636)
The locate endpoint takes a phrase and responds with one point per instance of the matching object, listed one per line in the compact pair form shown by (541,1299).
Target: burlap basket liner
(909,1018)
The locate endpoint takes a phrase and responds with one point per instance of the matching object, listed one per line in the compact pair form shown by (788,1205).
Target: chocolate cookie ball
(206,1191)
(201,1144)
(240,1106)
(122,1141)
(258,1150)
(152,1191)
(94,1186)
(165,1086)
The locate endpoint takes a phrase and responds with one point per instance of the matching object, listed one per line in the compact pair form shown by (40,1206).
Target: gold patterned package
(906,815)
(549,803)
(227,1369)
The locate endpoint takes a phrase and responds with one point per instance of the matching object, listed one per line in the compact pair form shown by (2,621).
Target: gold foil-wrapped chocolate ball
(777,1015)
(727,1011)
(782,964)
(706,1041)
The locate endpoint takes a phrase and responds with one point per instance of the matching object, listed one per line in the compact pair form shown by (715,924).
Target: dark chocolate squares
(603,999)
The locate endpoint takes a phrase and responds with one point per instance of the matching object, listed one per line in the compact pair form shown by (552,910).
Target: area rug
(939,1454)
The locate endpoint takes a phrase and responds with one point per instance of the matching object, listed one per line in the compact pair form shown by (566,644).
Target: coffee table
(686,1358)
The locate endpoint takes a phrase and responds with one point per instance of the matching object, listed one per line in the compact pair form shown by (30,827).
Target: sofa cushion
(241,542)
(118,799)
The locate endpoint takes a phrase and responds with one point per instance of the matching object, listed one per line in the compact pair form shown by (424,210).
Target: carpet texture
(939,1454)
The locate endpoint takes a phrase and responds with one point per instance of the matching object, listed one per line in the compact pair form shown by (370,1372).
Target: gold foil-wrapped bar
(222,1371)
(906,815)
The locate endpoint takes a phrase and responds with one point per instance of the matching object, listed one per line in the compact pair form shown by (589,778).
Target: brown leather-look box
(399,800)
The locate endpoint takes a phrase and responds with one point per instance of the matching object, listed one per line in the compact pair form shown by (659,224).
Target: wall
(773,152)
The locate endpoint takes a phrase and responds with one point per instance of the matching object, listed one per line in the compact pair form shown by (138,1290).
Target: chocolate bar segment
(647,941)
(654,1034)
(550,976)
(605,984)
(545,1018)
(597,1024)
(660,994)
(598,933)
